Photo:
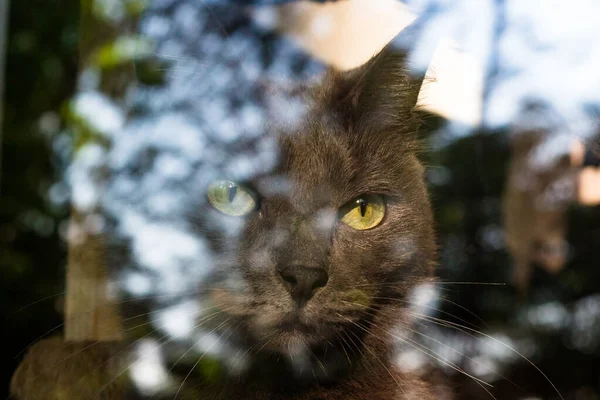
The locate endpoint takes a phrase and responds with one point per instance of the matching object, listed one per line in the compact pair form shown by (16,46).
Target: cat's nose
(302,282)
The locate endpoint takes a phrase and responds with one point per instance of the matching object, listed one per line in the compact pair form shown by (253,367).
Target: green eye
(230,198)
(364,213)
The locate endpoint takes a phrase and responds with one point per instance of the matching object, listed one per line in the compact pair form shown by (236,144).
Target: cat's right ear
(379,95)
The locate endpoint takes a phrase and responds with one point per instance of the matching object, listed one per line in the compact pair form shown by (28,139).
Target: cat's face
(339,231)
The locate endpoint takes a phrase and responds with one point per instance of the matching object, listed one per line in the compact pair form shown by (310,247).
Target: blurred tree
(467,185)
(41,72)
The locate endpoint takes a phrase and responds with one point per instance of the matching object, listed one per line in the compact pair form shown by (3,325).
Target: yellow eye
(230,198)
(364,213)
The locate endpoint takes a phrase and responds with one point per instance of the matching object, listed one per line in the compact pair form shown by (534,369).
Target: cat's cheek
(226,301)
(264,321)
(263,326)
(402,249)
(355,250)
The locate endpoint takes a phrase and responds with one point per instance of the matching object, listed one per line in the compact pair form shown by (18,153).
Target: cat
(313,288)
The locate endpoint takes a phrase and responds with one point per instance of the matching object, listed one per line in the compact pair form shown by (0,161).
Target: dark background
(41,72)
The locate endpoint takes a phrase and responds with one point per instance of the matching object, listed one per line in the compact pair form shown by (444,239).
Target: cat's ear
(378,95)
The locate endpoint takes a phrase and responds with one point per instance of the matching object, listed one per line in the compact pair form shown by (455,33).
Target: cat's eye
(231,198)
(364,213)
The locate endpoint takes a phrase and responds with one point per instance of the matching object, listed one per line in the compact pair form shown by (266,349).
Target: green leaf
(124,49)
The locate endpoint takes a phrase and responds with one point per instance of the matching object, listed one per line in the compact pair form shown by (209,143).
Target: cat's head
(313,249)
(340,229)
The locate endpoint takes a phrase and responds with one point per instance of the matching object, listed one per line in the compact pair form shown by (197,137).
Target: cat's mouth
(290,333)
(292,328)
(293,323)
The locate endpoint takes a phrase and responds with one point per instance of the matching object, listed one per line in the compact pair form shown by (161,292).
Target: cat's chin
(290,336)
(289,342)
(291,339)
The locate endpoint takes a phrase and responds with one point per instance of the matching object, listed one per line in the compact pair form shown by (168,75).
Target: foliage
(466,177)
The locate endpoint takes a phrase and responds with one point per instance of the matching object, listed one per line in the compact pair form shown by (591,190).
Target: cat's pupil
(231,192)
(363,207)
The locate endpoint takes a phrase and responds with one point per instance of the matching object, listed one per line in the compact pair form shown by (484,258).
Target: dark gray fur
(360,137)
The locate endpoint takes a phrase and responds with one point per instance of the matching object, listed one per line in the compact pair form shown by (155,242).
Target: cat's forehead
(315,157)
(314,168)
(321,165)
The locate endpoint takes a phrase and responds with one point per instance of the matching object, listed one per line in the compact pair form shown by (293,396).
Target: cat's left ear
(378,95)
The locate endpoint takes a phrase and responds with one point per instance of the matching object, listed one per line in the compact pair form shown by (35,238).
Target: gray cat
(323,270)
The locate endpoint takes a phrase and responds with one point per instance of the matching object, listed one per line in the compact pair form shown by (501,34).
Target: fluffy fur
(360,136)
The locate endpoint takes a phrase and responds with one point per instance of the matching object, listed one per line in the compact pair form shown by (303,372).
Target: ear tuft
(378,95)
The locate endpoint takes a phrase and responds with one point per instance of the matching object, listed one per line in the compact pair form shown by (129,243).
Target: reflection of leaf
(82,131)
(210,369)
(115,10)
(108,10)
(124,49)
(135,7)
(151,71)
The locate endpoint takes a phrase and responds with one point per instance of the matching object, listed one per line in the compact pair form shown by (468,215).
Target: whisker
(426,306)
(436,356)
(248,350)
(201,357)
(471,283)
(93,344)
(318,361)
(108,303)
(428,352)
(408,283)
(264,345)
(458,326)
(111,358)
(171,338)
(375,355)
(465,309)
(460,353)
(343,348)
(163,310)
(197,325)
(52,296)
(38,338)
(361,354)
